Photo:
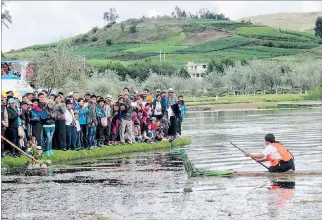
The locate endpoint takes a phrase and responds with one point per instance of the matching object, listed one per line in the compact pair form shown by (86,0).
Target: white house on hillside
(196,69)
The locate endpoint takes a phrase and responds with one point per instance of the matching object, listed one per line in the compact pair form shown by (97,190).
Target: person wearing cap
(13,117)
(171,98)
(49,126)
(60,130)
(26,108)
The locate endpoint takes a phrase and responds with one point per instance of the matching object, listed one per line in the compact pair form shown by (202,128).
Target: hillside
(182,40)
(291,21)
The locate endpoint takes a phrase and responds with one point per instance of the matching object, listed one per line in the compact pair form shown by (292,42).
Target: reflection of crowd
(73,123)
(7,70)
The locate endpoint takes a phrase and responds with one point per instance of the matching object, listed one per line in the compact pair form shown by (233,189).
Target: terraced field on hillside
(182,40)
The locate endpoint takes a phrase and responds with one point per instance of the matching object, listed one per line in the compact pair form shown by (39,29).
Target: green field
(204,40)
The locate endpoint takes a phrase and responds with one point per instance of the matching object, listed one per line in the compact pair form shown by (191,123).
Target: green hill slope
(182,40)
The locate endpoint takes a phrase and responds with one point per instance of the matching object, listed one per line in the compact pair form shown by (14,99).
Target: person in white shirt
(280,158)
(70,126)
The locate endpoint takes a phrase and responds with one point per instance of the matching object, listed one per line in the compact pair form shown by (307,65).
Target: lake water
(151,186)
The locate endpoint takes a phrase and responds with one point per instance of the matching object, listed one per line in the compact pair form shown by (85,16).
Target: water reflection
(281,192)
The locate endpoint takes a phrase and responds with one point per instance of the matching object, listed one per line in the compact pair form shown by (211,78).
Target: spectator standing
(92,121)
(49,126)
(13,119)
(60,131)
(70,126)
(171,98)
(83,113)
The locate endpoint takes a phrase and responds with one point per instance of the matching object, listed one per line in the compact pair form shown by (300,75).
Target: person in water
(280,158)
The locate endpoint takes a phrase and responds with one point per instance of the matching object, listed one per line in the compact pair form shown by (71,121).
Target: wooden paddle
(251,157)
(21,151)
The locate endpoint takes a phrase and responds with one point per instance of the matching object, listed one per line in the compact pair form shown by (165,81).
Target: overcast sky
(38,22)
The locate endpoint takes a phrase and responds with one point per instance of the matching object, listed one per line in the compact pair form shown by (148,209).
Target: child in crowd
(78,130)
(148,135)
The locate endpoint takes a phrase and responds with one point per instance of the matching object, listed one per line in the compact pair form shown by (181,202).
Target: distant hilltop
(292,21)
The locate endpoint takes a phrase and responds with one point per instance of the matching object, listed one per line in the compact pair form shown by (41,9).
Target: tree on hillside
(122,27)
(178,13)
(56,70)
(318,27)
(110,16)
(5,15)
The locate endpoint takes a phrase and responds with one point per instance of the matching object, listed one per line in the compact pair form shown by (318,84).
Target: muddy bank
(254,105)
(63,156)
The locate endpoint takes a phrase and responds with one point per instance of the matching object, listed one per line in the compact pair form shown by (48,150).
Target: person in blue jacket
(82,114)
(183,112)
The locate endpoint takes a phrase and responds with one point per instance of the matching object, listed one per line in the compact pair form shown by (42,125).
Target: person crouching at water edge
(280,158)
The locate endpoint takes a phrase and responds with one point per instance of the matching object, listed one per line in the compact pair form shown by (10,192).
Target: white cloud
(37,22)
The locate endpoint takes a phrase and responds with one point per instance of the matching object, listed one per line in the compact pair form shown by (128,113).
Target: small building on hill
(196,70)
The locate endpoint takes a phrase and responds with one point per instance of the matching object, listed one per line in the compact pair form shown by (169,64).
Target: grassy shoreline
(61,156)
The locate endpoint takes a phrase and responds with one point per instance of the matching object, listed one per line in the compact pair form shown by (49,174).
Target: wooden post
(21,151)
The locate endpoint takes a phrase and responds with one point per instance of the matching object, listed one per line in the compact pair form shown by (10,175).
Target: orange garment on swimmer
(285,154)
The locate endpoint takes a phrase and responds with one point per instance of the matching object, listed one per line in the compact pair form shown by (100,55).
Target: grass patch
(271,33)
(61,156)
(229,42)
(315,94)
(167,46)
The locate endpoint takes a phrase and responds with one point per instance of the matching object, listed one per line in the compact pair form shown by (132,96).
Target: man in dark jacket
(13,117)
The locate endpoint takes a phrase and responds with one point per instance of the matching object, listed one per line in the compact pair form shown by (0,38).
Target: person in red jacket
(280,158)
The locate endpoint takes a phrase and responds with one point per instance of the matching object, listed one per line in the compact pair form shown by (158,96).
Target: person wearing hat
(171,98)
(49,126)
(14,123)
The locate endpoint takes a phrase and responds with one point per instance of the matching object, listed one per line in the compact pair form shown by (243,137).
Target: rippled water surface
(151,186)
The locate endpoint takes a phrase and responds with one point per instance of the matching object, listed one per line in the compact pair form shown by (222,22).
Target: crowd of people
(55,121)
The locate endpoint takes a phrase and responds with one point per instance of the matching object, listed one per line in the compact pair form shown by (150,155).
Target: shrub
(108,42)
(94,29)
(94,39)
